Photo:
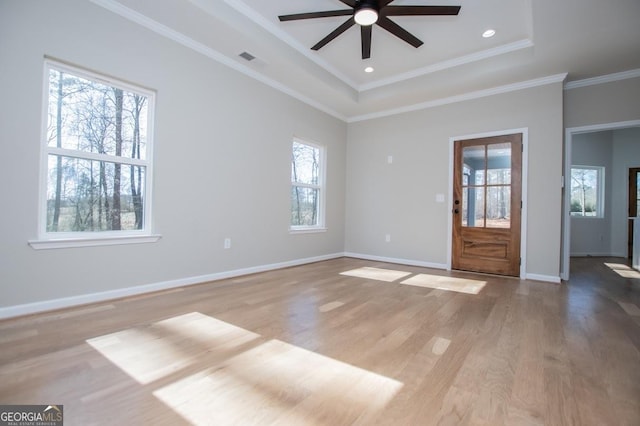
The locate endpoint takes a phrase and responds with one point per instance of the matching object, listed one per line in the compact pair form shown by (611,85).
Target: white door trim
(566,217)
(525,161)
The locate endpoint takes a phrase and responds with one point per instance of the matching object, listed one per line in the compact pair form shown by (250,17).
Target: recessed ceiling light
(489,33)
(368,69)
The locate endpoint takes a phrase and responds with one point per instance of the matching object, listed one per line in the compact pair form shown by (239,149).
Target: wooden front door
(487,203)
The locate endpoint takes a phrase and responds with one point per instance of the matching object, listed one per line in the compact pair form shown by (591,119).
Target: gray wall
(591,235)
(617,151)
(219,136)
(604,105)
(219,133)
(612,102)
(400,198)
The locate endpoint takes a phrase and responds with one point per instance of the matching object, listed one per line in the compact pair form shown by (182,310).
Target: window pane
(473,207)
(305,164)
(89,116)
(466,173)
(473,157)
(499,163)
(498,206)
(86,195)
(499,176)
(304,206)
(584,191)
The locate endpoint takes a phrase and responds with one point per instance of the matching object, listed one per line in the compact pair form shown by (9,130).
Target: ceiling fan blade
(351,3)
(419,10)
(312,15)
(335,33)
(399,32)
(365,34)
(383,3)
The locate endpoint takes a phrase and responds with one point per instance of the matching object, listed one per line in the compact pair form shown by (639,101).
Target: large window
(587,191)
(96,161)
(307,186)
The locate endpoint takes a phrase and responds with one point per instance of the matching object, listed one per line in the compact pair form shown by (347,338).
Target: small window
(96,167)
(587,191)
(307,186)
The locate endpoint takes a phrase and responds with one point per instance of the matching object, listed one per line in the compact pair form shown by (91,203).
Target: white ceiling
(536,40)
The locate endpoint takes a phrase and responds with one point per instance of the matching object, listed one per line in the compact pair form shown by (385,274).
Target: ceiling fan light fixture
(366,16)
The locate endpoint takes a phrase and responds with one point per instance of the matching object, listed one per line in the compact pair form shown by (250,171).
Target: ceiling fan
(368,12)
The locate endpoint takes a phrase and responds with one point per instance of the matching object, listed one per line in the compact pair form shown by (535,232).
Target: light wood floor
(313,345)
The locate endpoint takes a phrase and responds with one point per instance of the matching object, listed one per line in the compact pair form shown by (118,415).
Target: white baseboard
(536,277)
(594,254)
(598,255)
(67,302)
(546,278)
(407,262)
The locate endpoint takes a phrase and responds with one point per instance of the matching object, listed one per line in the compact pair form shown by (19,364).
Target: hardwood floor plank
(309,345)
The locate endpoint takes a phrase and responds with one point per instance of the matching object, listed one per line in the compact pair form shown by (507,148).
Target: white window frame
(51,240)
(599,192)
(321,187)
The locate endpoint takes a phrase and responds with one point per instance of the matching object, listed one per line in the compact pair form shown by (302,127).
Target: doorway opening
(615,211)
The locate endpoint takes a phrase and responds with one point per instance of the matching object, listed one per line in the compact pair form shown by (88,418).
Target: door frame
(565,261)
(632,200)
(523,218)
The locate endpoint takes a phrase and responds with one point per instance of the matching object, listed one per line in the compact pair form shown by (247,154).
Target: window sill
(586,217)
(307,230)
(92,242)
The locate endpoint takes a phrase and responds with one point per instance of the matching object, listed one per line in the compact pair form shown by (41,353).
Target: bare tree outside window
(96,144)
(585,191)
(306,185)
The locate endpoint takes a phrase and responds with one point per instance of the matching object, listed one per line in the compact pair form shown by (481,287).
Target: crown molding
(462,60)
(608,78)
(115,7)
(250,13)
(163,30)
(556,78)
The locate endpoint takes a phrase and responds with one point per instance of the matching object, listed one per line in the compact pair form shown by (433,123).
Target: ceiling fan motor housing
(367,4)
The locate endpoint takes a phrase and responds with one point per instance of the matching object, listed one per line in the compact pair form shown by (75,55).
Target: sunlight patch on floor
(276,382)
(219,373)
(460,285)
(330,306)
(623,270)
(388,275)
(630,309)
(148,353)
(440,345)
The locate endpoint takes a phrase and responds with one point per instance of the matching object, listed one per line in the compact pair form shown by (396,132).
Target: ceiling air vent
(248,56)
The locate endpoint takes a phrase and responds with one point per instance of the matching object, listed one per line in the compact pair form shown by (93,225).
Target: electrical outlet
(387,238)
(227,243)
